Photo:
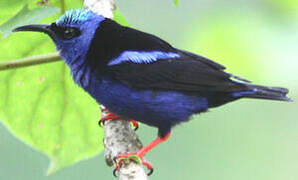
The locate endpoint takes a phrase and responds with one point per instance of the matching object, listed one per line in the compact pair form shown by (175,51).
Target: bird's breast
(82,76)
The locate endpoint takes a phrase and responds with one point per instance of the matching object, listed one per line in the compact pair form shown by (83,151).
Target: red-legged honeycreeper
(139,76)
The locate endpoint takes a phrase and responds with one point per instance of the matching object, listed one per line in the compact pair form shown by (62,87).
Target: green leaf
(176,2)
(10,9)
(62,4)
(26,16)
(43,107)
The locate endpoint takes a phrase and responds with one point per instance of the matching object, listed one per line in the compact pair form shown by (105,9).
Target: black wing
(188,72)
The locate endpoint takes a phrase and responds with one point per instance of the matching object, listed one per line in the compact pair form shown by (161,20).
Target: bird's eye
(70,33)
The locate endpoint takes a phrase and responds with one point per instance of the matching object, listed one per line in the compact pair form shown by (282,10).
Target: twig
(29,61)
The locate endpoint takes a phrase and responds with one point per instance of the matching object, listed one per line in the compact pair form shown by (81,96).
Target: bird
(139,76)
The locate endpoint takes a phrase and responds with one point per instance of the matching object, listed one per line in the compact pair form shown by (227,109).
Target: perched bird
(139,76)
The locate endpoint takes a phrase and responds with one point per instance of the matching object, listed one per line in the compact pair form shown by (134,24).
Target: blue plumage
(77,16)
(142,57)
(139,76)
(75,50)
(153,108)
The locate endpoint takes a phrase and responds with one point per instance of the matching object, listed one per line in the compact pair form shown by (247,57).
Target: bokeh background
(247,139)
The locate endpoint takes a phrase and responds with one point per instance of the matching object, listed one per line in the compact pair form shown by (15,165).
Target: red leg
(111,116)
(152,145)
(138,156)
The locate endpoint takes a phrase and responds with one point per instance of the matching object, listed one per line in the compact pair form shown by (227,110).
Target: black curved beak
(36,27)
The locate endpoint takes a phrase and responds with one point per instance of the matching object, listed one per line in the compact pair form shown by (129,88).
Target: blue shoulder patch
(142,57)
(75,16)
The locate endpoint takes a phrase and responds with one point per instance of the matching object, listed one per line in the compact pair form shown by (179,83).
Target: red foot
(138,156)
(109,116)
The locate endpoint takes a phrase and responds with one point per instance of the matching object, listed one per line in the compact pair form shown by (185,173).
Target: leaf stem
(29,61)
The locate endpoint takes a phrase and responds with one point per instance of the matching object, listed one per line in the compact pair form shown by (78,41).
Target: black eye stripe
(65,33)
(70,32)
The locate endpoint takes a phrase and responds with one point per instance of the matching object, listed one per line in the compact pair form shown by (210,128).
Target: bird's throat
(80,71)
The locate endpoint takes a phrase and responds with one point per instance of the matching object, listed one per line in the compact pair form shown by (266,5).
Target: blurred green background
(247,139)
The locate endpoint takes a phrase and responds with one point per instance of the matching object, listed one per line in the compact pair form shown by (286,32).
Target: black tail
(264,92)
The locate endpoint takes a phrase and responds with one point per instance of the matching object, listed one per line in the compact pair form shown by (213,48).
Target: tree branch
(120,138)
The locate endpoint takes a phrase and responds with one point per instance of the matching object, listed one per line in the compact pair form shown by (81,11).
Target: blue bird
(139,76)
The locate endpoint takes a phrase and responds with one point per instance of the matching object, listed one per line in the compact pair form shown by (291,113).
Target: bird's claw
(101,123)
(126,158)
(135,124)
(109,116)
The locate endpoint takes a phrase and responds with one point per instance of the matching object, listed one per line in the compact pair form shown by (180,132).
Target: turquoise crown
(75,16)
